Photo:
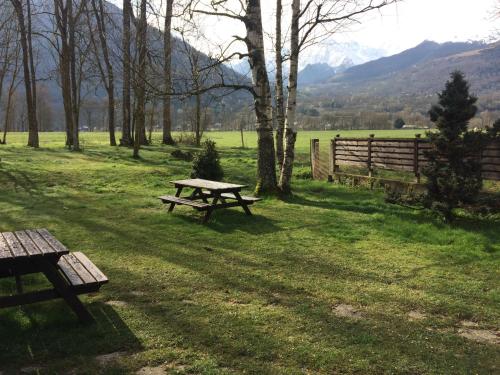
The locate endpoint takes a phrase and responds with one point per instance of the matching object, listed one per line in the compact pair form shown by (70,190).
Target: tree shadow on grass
(231,220)
(46,332)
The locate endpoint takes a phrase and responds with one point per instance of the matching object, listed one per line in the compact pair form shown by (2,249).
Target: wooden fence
(396,154)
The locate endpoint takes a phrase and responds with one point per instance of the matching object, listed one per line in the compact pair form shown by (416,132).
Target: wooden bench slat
(52,241)
(69,272)
(91,267)
(183,201)
(245,198)
(4,248)
(15,246)
(28,244)
(44,247)
(82,272)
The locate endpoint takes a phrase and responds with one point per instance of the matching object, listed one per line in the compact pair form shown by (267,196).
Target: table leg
(62,287)
(19,284)
(177,194)
(242,203)
(210,209)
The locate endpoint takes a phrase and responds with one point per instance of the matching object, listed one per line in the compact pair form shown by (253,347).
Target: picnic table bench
(221,194)
(38,251)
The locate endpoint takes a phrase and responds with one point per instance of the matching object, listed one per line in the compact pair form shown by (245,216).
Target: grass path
(332,280)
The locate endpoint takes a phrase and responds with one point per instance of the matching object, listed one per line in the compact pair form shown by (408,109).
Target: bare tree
(311,23)
(280,110)
(167,66)
(103,61)
(249,12)
(126,139)
(23,13)
(11,66)
(140,80)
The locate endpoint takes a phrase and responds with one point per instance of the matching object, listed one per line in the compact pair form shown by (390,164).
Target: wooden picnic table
(37,251)
(208,196)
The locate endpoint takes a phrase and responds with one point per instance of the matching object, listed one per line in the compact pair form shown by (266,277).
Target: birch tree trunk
(167,50)
(140,115)
(280,111)
(290,130)
(266,161)
(126,139)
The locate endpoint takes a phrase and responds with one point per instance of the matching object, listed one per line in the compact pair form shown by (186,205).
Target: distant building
(415,127)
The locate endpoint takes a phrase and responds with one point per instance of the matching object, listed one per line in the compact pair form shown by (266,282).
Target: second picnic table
(209,196)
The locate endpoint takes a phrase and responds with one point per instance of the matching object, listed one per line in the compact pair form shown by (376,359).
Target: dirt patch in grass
(30,370)
(160,370)
(415,315)
(481,335)
(117,303)
(347,311)
(105,359)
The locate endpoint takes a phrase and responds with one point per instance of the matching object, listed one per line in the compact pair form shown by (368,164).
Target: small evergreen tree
(494,132)
(454,172)
(206,163)
(399,123)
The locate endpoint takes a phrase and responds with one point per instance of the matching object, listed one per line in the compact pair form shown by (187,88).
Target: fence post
(314,156)
(370,169)
(333,158)
(415,158)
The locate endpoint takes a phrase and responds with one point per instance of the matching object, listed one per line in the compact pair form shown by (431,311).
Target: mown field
(330,280)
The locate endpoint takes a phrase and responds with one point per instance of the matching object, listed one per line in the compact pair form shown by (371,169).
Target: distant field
(223,139)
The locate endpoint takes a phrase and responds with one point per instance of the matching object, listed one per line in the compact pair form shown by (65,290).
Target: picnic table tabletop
(199,183)
(30,244)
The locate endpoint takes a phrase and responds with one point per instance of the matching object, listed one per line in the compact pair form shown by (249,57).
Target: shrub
(179,154)
(399,123)
(453,172)
(206,163)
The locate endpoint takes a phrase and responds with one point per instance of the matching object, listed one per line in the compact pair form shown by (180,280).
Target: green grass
(243,294)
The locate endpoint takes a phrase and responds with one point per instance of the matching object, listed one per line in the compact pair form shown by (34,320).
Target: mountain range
(421,70)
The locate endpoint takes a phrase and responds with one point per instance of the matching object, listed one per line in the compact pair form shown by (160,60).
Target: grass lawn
(332,280)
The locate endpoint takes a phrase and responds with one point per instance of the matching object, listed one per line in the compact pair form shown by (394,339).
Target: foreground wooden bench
(82,275)
(37,251)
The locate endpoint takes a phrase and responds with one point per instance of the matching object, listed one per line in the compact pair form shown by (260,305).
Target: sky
(407,24)
(393,29)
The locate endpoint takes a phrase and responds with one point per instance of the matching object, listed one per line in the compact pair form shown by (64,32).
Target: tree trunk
(167,50)
(108,78)
(8,112)
(280,111)
(28,81)
(198,120)
(140,79)
(33,133)
(61,14)
(126,139)
(290,130)
(266,161)
(75,110)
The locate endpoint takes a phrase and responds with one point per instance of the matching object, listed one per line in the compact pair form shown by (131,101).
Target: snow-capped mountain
(335,54)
